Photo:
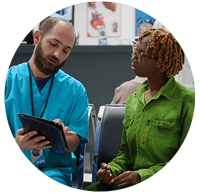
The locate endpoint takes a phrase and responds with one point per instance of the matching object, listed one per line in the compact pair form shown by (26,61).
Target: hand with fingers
(105,175)
(26,142)
(65,128)
(127,178)
(71,137)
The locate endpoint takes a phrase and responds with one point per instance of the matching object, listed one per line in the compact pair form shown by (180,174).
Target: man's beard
(42,62)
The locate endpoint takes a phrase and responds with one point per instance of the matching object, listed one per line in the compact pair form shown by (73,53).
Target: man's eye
(65,51)
(52,44)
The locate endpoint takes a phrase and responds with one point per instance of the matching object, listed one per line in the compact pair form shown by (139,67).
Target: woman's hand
(104,174)
(127,178)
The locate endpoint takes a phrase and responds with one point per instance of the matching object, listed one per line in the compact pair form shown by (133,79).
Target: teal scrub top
(68,101)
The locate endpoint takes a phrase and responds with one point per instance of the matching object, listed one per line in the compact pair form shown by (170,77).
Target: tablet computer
(51,130)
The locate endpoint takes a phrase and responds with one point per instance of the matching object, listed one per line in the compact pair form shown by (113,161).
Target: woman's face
(143,64)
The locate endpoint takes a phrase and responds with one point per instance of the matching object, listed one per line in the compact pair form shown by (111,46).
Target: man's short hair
(48,23)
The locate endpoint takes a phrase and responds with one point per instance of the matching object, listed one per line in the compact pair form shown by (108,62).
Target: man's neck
(37,74)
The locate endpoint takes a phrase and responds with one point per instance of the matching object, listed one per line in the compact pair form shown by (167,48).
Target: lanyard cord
(31,93)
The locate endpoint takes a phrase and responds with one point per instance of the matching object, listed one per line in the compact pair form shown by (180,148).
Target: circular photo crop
(120,86)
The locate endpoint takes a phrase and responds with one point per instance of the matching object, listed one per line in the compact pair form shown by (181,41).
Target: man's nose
(56,54)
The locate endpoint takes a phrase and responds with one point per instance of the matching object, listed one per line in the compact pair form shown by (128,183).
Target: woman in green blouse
(158,114)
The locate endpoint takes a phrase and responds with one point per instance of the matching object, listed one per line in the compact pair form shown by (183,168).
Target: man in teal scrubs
(39,88)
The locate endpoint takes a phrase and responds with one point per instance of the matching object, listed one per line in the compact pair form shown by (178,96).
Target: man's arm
(78,120)
(72,139)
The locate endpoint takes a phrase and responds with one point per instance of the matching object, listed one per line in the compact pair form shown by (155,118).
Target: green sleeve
(121,162)
(148,172)
(186,120)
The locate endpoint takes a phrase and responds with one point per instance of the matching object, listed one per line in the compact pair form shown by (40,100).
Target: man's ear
(37,36)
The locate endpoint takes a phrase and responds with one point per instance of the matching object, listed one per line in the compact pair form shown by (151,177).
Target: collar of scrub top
(31,93)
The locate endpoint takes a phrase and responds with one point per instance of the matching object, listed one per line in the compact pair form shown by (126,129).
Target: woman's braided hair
(170,54)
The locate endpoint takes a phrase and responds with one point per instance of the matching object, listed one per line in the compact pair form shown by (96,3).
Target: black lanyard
(31,93)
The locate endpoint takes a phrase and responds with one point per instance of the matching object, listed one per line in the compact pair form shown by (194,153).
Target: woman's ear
(37,36)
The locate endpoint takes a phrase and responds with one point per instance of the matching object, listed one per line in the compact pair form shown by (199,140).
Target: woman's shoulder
(185,92)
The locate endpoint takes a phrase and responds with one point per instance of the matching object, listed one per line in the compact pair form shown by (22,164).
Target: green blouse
(154,131)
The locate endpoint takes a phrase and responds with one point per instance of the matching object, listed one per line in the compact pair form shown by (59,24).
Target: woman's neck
(156,83)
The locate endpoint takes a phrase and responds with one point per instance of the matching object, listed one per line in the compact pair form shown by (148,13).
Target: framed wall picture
(66,13)
(143,22)
(107,14)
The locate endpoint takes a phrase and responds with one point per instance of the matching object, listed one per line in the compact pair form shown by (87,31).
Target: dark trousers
(99,186)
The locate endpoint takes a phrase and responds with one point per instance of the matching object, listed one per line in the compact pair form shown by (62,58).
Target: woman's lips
(133,67)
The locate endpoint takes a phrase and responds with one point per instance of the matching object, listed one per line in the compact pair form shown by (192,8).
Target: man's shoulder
(66,79)
(130,84)
(17,69)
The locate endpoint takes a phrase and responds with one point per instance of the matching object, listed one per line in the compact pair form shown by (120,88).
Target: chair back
(89,147)
(111,133)
(84,152)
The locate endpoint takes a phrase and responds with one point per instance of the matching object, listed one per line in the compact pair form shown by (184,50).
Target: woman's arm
(121,162)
